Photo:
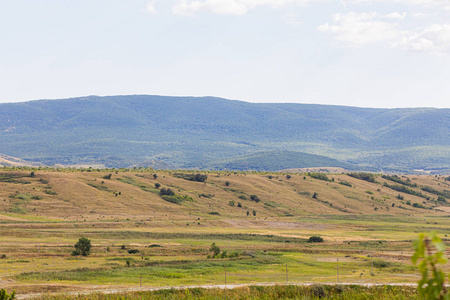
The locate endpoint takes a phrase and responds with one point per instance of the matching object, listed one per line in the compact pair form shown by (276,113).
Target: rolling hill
(188,132)
(66,194)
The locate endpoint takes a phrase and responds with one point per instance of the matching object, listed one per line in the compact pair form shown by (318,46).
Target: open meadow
(261,224)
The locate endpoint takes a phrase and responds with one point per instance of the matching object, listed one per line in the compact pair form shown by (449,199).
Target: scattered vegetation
(363,176)
(320,176)
(404,189)
(192,177)
(397,179)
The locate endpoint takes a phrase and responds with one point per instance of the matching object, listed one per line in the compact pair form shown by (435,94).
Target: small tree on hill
(214,249)
(82,247)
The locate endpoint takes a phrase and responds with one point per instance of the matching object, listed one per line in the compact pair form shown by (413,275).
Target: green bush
(363,176)
(5,296)
(255,198)
(82,247)
(320,176)
(315,239)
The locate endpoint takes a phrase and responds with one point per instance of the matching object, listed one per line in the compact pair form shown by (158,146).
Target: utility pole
(337,269)
(371,263)
(287,277)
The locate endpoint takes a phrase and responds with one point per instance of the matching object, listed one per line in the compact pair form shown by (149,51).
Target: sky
(367,53)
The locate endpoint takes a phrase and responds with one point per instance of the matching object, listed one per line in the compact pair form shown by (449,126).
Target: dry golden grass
(40,221)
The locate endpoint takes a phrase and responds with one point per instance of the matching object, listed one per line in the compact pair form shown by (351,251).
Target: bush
(82,247)
(133,251)
(441,199)
(157,185)
(379,263)
(320,176)
(255,198)
(5,296)
(346,183)
(315,239)
(192,177)
(363,176)
(166,192)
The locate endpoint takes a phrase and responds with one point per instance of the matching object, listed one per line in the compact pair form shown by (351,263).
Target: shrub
(363,176)
(379,263)
(315,239)
(192,177)
(214,249)
(346,183)
(166,192)
(441,199)
(315,195)
(133,251)
(5,296)
(82,247)
(318,291)
(107,176)
(320,176)
(255,198)
(227,183)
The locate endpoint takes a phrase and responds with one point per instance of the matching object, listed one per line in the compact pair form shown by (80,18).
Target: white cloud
(291,19)
(151,7)
(409,2)
(396,16)
(434,38)
(229,7)
(359,29)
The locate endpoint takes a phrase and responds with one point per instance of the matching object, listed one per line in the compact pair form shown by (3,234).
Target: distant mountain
(188,132)
(275,161)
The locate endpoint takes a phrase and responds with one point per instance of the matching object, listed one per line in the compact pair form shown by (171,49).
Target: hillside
(261,222)
(187,132)
(92,194)
(9,161)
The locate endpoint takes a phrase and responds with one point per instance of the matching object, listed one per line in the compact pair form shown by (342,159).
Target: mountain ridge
(192,131)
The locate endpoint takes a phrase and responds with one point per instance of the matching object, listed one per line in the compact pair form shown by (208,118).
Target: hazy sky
(371,53)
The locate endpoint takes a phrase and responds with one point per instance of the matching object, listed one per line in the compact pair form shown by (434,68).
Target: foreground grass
(353,292)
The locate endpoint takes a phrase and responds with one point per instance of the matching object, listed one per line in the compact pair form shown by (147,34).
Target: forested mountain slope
(188,132)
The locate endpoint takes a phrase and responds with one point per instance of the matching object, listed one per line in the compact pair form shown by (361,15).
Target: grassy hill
(187,132)
(93,194)
(262,223)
